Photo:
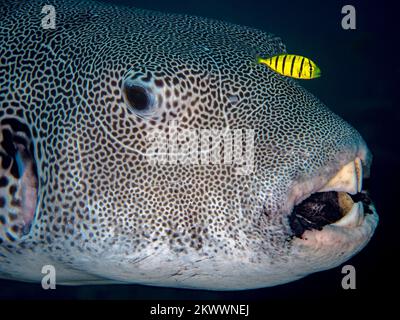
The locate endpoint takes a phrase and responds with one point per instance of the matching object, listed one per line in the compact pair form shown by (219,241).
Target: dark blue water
(360,77)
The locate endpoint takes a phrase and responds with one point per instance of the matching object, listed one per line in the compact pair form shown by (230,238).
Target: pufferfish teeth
(359,173)
(348,179)
(353,218)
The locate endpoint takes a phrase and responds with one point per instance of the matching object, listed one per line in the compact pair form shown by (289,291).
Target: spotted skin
(102,212)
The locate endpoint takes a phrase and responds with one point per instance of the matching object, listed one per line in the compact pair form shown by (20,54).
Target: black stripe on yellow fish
(298,66)
(283,64)
(310,68)
(301,67)
(291,67)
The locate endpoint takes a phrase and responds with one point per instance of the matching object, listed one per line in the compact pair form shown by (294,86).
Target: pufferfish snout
(91,184)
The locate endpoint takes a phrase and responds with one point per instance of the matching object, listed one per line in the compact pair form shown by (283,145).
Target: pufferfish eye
(137,97)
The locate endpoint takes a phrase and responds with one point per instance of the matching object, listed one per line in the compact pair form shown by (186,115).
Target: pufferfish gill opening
(77,191)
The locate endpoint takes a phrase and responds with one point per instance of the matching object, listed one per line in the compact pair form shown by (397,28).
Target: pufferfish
(291,65)
(91,186)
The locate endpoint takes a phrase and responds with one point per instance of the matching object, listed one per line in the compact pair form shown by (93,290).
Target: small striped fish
(291,65)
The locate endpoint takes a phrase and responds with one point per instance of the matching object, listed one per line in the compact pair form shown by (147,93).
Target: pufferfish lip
(341,202)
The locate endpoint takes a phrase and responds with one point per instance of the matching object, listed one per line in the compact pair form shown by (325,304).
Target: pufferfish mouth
(342,202)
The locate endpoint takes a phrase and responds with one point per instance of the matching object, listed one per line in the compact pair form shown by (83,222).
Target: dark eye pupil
(137,97)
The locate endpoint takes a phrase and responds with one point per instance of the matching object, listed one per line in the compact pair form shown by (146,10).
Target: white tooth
(359,173)
(353,218)
(346,180)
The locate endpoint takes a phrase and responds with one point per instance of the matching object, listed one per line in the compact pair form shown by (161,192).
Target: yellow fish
(291,65)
